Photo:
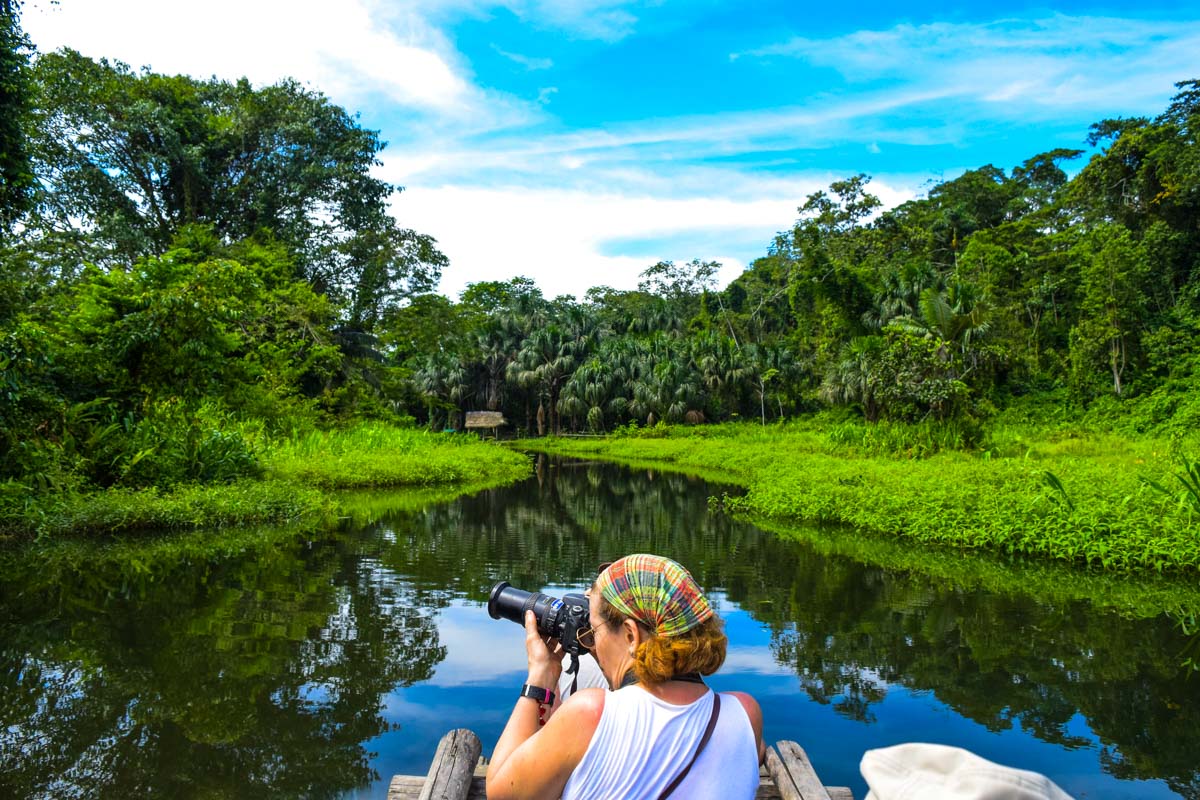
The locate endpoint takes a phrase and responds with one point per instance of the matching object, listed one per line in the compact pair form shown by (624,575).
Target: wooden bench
(458,773)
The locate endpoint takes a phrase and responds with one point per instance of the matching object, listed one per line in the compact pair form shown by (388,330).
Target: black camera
(563,619)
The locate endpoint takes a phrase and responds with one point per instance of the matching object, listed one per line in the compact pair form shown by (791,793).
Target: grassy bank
(300,476)
(1067,495)
(374,456)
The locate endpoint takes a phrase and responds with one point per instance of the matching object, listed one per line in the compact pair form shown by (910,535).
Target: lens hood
(495,593)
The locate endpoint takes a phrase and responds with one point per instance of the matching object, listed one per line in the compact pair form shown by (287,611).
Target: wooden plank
(779,774)
(801,771)
(453,768)
(408,787)
(405,787)
(766,791)
(787,775)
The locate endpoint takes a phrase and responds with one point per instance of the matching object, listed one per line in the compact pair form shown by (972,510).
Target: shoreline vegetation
(302,477)
(1077,497)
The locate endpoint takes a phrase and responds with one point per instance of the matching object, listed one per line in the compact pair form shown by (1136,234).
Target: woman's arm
(539,766)
(533,762)
(754,712)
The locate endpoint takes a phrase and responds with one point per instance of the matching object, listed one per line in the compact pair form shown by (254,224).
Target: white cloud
(1052,63)
(341,50)
(528,62)
(664,156)
(607,20)
(559,237)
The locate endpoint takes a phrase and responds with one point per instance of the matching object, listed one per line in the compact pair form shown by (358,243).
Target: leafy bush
(187,507)
(171,445)
(909,440)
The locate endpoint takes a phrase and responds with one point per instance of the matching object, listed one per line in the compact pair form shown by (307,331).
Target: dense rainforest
(193,268)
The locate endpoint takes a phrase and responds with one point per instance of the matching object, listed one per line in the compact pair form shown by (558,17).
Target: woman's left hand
(545,655)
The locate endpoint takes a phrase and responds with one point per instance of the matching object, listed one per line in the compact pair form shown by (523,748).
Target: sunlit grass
(301,472)
(377,455)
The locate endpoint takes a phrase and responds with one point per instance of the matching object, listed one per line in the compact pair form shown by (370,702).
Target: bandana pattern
(655,591)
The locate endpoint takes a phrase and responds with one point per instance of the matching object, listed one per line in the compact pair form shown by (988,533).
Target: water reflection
(311,668)
(254,676)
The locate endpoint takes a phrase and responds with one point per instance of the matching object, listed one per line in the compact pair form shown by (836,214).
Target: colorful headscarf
(655,591)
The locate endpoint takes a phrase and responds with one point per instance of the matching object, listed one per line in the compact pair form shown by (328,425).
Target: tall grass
(376,455)
(181,508)
(300,471)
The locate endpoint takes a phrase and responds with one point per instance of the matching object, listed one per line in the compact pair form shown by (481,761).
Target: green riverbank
(301,478)
(1074,497)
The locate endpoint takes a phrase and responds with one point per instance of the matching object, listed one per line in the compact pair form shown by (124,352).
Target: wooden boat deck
(458,773)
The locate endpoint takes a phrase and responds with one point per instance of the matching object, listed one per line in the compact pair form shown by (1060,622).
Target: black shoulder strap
(712,723)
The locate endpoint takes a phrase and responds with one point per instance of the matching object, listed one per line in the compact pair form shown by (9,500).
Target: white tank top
(643,742)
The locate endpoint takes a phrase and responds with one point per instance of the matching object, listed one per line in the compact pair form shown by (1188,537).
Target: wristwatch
(545,697)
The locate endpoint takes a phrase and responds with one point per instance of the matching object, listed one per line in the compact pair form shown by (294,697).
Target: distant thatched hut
(486,420)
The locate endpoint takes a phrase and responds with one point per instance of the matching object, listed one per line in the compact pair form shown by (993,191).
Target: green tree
(16,175)
(126,159)
(828,289)
(1113,304)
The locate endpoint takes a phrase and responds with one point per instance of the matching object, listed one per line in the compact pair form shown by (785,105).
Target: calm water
(319,668)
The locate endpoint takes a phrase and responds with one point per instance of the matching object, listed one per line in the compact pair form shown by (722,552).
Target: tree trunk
(541,419)
(1116,350)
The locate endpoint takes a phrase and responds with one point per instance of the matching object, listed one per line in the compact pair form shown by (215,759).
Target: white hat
(916,771)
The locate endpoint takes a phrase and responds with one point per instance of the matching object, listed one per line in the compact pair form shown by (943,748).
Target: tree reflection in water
(264,672)
(255,676)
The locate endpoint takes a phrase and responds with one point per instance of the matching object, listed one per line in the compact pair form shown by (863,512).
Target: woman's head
(679,631)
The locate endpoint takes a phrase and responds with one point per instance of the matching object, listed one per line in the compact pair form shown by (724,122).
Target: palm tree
(956,315)
(665,382)
(590,393)
(900,293)
(852,379)
(723,368)
(497,343)
(544,361)
(442,380)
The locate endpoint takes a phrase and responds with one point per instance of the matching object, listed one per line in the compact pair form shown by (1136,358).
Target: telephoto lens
(562,619)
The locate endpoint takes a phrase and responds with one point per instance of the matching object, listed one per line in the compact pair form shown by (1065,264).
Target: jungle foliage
(996,285)
(194,271)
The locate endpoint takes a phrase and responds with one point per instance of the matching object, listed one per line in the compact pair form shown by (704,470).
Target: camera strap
(630,678)
(573,670)
(712,723)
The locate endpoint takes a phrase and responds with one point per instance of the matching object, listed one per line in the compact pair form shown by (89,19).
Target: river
(272,664)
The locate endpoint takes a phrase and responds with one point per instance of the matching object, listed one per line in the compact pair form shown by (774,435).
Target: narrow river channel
(321,666)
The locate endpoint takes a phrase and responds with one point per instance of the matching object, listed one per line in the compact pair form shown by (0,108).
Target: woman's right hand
(545,656)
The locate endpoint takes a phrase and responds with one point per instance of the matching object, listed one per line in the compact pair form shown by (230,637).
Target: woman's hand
(545,655)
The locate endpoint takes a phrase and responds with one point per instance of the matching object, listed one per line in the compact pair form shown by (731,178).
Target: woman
(654,634)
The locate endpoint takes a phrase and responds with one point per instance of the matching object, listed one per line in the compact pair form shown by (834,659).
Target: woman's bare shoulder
(584,705)
(753,710)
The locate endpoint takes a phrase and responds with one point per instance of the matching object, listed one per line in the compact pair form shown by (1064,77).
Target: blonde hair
(661,658)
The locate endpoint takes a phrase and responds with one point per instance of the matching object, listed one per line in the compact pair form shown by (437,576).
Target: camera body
(561,618)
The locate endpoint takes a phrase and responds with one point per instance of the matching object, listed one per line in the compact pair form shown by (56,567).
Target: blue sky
(579,141)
